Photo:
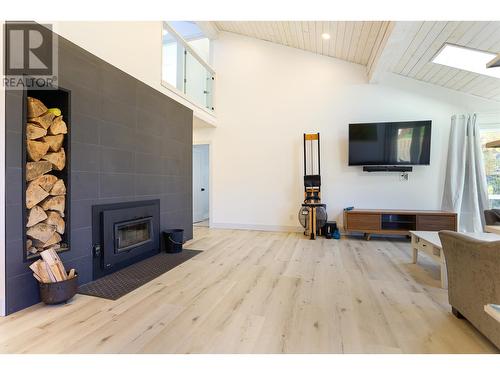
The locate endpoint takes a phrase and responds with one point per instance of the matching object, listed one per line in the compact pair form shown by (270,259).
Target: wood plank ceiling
(428,37)
(353,41)
(361,42)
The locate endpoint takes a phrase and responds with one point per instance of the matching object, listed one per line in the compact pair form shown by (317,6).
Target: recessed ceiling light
(468,59)
(325,36)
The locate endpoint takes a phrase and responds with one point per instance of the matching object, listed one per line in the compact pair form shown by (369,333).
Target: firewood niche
(46,171)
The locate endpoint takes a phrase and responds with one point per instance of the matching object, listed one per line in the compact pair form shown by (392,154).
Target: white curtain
(465,187)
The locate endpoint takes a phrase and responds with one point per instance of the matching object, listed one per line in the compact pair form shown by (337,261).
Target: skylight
(466,59)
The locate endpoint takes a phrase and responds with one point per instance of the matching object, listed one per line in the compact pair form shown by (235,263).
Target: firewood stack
(45,192)
(50,268)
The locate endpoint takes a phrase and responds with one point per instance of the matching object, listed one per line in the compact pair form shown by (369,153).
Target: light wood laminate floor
(262,292)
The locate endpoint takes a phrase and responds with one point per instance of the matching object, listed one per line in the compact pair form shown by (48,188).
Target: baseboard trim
(257,227)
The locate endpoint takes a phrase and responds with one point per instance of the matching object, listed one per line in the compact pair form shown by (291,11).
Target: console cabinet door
(436,222)
(363,221)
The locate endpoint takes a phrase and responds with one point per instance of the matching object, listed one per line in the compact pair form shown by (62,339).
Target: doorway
(201,165)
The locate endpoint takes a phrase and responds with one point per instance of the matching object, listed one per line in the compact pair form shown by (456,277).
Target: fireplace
(133,233)
(124,233)
(108,159)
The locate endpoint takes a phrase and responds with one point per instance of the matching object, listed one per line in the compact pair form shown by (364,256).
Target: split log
(56,203)
(58,159)
(41,246)
(54,264)
(35,107)
(59,188)
(45,269)
(60,264)
(41,232)
(38,244)
(45,121)
(33,131)
(34,267)
(29,244)
(36,169)
(54,141)
(40,269)
(35,216)
(34,195)
(55,239)
(46,182)
(55,111)
(58,126)
(55,247)
(36,150)
(55,219)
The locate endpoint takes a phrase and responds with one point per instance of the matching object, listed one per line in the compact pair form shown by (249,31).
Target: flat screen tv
(390,143)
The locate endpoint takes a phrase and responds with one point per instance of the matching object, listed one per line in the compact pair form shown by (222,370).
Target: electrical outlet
(403,176)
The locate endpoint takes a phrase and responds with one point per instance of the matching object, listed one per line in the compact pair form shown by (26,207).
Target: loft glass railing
(185,70)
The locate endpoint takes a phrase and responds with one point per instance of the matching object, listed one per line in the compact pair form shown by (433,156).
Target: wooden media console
(399,222)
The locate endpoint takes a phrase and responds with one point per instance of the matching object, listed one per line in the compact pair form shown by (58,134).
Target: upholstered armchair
(473,280)
(492,217)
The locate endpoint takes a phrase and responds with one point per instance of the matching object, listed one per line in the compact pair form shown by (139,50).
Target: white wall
(2,183)
(134,47)
(269,95)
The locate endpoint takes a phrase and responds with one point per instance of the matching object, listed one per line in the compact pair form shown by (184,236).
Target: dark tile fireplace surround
(130,145)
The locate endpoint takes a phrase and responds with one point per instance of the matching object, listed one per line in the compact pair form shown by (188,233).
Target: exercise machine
(312,214)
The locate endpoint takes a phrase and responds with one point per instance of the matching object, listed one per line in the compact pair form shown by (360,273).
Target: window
(468,59)
(185,62)
(492,162)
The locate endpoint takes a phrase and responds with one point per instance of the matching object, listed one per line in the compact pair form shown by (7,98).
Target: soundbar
(387,168)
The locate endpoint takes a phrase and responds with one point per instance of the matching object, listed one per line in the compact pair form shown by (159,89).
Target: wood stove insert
(123,234)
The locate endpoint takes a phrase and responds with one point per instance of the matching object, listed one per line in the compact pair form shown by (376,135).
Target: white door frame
(210,168)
